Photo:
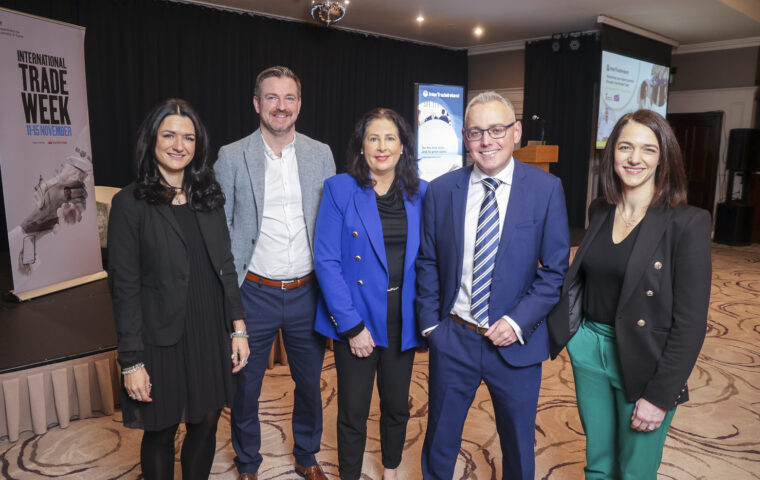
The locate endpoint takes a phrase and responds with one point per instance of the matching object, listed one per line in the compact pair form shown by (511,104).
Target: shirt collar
(505,176)
(285,150)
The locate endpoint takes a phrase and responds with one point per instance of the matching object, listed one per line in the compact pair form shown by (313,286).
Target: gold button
(355,233)
(657,265)
(641,322)
(650,293)
(360,282)
(357,258)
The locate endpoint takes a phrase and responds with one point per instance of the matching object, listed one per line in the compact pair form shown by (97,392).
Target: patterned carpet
(714,436)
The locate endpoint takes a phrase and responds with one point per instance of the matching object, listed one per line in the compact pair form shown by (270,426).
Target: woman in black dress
(175,295)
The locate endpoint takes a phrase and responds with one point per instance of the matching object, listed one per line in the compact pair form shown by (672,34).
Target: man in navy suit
(493,254)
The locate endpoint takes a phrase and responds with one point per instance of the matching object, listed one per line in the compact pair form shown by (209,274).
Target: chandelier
(327,12)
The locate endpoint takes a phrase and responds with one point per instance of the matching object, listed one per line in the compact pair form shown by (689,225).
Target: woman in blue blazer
(365,246)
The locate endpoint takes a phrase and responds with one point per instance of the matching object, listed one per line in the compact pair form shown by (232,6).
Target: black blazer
(149,272)
(661,317)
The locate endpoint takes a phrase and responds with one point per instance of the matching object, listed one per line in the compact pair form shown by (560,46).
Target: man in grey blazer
(272,180)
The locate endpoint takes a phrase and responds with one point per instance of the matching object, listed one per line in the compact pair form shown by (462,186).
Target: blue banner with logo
(440,117)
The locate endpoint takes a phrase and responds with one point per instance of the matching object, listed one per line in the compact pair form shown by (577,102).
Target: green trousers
(613,449)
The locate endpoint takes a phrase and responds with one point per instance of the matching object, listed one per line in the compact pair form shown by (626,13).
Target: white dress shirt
(475,195)
(282,251)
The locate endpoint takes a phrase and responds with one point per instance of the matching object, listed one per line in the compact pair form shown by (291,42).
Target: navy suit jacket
(350,262)
(535,230)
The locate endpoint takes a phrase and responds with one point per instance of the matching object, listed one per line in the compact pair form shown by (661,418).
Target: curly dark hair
(670,184)
(200,186)
(406,175)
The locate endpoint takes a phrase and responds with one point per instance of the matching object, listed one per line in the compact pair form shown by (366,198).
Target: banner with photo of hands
(45,156)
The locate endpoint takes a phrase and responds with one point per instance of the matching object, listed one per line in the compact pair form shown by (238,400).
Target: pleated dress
(194,376)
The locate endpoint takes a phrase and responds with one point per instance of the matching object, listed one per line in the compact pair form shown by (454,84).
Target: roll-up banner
(45,156)
(440,116)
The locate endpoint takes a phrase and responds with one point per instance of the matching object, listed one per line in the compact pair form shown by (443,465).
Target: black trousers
(356,377)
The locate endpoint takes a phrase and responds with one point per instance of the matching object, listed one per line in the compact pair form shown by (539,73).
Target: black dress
(194,376)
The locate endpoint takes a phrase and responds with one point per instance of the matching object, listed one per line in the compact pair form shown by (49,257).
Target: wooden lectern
(538,155)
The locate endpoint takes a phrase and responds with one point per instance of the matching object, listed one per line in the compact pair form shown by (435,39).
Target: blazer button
(357,258)
(355,233)
(253,240)
(657,265)
(641,322)
(360,282)
(650,293)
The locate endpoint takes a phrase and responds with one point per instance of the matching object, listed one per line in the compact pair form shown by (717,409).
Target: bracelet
(132,369)
(239,334)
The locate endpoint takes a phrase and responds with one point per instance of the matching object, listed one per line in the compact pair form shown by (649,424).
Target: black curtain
(138,52)
(560,86)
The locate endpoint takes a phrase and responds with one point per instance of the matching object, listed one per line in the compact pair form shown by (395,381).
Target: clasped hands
(646,416)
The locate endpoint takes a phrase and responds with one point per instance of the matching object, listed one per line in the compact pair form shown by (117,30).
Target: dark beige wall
(718,69)
(738,67)
(498,70)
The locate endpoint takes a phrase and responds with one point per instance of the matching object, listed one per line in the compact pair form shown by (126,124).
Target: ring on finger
(651,427)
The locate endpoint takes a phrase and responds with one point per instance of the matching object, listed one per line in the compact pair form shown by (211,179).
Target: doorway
(698,135)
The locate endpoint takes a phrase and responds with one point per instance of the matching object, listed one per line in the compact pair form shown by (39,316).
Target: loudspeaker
(743,150)
(733,223)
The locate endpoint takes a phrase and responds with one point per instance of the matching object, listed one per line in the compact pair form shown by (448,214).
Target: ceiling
(450,23)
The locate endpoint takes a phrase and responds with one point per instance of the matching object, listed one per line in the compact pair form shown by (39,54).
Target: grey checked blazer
(240,172)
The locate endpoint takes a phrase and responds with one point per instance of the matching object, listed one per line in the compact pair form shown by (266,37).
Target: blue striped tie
(486,244)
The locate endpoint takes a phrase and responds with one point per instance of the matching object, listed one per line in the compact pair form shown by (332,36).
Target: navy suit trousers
(269,309)
(459,360)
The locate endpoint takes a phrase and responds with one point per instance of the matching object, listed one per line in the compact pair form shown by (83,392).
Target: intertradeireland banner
(440,111)
(45,156)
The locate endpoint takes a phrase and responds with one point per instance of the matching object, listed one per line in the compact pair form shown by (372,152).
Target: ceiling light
(478,31)
(420,18)
(327,12)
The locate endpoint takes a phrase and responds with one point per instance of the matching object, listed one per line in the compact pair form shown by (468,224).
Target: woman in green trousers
(634,303)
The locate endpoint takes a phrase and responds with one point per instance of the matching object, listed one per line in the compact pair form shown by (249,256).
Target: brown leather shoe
(311,473)
(248,476)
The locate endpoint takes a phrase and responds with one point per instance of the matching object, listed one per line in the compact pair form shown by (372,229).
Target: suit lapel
(458,204)
(519,202)
(166,212)
(207,228)
(366,206)
(653,226)
(306,178)
(255,160)
(412,230)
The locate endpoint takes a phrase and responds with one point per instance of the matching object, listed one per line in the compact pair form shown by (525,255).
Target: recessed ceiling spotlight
(346,2)
(420,18)
(478,31)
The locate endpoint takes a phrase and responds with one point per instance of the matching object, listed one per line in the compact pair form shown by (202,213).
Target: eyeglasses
(497,131)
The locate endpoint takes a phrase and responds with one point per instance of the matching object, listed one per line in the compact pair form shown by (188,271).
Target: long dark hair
(406,175)
(201,188)
(670,185)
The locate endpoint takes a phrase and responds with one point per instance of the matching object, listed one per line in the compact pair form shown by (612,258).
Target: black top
(603,271)
(393,218)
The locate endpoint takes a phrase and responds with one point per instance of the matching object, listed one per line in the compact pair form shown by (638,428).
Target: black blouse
(603,270)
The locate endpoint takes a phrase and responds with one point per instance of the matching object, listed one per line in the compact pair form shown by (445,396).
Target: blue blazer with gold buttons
(350,262)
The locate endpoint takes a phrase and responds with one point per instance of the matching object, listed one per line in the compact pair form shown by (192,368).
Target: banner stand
(57,287)
(46,156)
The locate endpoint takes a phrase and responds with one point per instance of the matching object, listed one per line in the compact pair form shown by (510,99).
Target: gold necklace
(632,220)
